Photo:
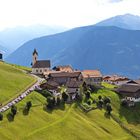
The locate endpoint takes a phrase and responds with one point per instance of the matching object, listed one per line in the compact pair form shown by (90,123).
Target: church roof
(42,64)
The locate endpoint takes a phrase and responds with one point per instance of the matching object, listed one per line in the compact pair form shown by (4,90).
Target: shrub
(50,102)
(87,94)
(94,101)
(58,101)
(1,117)
(100,103)
(46,94)
(99,97)
(106,100)
(14,110)
(29,105)
(89,102)
(124,103)
(64,96)
(108,108)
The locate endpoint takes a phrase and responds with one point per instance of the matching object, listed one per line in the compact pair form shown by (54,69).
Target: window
(40,70)
(36,70)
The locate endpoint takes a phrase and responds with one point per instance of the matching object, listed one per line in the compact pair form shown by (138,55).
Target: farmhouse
(39,66)
(136,82)
(63,77)
(131,91)
(115,79)
(73,89)
(92,77)
(50,85)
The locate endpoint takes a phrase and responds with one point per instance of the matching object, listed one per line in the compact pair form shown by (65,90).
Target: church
(39,66)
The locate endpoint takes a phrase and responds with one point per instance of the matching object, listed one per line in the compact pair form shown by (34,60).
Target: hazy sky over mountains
(68,13)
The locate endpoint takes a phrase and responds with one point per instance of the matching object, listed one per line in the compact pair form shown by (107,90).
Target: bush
(64,96)
(14,110)
(124,103)
(94,101)
(29,105)
(58,101)
(89,102)
(108,108)
(100,103)
(1,117)
(87,94)
(99,97)
(93,88)
(46,94)
(50,102)
(106,100)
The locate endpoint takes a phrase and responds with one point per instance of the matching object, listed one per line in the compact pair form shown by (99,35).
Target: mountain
(15,37)
(126,21)
(5,51)
(110,49)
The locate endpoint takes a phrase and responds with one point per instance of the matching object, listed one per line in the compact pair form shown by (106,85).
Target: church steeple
(35,55)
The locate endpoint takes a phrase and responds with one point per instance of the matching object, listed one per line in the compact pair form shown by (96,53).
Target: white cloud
(115,0)
(62,12)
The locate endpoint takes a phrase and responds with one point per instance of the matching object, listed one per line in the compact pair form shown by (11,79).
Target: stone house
(129,91)
(92,77)
(63,77)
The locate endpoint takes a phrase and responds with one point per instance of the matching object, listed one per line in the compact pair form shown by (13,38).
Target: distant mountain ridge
(12,38)
(127,21)
(5,51)
(110,49)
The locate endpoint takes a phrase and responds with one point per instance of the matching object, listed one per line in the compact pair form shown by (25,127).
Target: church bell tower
(35,55)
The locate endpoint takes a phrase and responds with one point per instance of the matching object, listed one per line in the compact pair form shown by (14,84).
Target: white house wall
(39,70)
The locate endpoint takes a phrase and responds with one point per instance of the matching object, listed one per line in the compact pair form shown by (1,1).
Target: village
(65,79)
(65,87)
(72,80)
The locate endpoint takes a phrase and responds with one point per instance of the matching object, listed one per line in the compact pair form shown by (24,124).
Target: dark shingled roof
(73,84)
(65,74)
(129,88)
(49,83)
(42,64)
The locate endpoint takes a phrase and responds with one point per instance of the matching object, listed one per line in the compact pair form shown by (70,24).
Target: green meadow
(68,122)
(12,82)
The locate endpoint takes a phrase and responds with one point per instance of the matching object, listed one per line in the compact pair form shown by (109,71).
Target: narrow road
(23,94)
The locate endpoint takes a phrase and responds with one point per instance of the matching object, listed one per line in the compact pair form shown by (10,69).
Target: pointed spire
(35,52)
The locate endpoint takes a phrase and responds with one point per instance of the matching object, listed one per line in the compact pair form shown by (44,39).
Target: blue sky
(68,13)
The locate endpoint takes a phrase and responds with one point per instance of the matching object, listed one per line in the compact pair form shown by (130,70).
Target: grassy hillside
(129,116)
(28,69)
(12,81)
(65,123)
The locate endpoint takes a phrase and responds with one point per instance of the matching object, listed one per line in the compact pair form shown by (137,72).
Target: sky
(67,13)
